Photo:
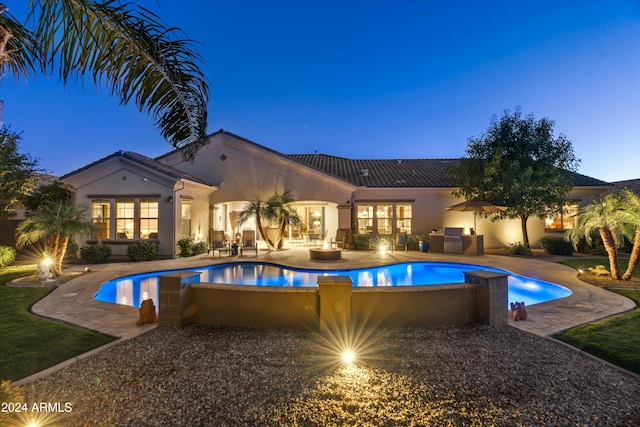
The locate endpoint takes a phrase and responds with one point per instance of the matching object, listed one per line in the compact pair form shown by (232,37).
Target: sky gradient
(374,79)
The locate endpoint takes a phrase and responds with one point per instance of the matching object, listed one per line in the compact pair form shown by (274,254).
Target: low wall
(482,298)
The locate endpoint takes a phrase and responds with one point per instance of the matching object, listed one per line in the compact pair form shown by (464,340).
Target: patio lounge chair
(248,242)
(218,243)
(401,241)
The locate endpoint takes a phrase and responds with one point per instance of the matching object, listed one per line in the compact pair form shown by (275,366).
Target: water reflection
(133,290)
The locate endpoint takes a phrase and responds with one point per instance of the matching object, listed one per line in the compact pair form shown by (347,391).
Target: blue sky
(372,79)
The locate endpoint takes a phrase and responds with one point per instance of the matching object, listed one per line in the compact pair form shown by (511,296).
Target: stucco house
(134,197)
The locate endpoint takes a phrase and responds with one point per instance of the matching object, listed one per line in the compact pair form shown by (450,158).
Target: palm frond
(20,54)
(127,49)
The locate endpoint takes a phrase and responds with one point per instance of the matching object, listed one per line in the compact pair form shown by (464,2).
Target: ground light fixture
(348,356)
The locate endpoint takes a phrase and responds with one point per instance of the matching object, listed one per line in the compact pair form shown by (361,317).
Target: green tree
(53,225)
(17,172)
(613,219)
(517,163)
(44,194)
(123,47)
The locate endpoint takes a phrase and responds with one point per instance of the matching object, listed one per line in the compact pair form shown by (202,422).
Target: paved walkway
(73,301)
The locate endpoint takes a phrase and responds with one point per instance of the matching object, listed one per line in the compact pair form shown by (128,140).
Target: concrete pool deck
(73,302)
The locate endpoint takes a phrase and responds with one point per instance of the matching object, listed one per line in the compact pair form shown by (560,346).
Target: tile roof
(631,184)
(146,162)
(382,173)
(400,172)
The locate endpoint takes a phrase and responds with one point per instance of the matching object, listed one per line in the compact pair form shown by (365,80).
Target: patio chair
(248,242)
(218,243)
(401,241)
(343,238)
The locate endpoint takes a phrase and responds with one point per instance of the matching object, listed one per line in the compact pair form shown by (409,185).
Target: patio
(471,375)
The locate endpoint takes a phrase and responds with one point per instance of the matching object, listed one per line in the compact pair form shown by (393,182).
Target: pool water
(132,290)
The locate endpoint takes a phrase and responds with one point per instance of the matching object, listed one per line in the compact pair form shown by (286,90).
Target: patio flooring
(73,301)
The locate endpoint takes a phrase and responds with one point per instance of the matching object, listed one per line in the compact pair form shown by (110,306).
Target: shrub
(95,254)
(413,241)
(186,247)
(142,251)
(361,241)
(72,252)
(595,248)
(517,249)
(200,248)
(556,245)
(7,255)
(190,248)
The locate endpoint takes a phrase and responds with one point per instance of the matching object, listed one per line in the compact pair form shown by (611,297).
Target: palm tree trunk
(54,254)
(264,234)
(634,258)
(612,250)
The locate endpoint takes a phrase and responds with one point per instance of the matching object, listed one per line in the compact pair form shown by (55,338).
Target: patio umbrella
(476,206)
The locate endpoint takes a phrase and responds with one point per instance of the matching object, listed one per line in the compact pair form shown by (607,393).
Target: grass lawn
(29,342)
(615,339)
(584,263)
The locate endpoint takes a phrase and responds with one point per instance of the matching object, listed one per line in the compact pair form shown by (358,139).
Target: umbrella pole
(475,227)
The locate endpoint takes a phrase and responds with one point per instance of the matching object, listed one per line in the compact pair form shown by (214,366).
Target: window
(565,219)
(384,217)
(148,219)
(185,219)
(365,218)
(403,218)
(125,219)
(101,218)
(135,218)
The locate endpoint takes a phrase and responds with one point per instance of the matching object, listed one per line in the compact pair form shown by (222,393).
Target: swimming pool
(132,290)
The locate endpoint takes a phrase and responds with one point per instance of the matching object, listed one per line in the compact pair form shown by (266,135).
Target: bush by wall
(7,256)
(72,252)
(142,251)
(556,245)
(595,248)
(190,248)
(95,254)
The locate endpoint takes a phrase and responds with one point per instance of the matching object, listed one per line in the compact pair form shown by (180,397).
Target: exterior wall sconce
(170,199)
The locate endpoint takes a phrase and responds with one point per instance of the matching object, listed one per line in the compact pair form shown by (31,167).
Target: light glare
(348,356)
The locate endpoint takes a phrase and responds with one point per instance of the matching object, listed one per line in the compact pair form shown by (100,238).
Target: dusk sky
(371,79)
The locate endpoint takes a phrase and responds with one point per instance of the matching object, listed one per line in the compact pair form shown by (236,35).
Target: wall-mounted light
(170,199)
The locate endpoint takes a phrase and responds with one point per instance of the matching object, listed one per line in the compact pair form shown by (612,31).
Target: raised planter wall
(335,302)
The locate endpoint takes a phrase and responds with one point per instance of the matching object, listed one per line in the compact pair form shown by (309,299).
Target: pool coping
(73,302)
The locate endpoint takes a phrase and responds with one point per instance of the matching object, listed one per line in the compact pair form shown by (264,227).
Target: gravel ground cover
(472,375)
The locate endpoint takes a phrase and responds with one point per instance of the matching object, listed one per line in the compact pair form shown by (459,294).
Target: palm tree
(611,218)
(121,46)
(53,224)
(276,211)
(259,210)
(632,202)
(283,214)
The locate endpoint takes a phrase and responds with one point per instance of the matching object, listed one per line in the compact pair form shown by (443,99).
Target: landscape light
(348,356)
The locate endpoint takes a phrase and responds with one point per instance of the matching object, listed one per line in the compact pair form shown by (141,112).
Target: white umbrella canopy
(476,206)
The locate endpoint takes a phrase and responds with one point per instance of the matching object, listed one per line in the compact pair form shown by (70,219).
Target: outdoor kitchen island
(452,241)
